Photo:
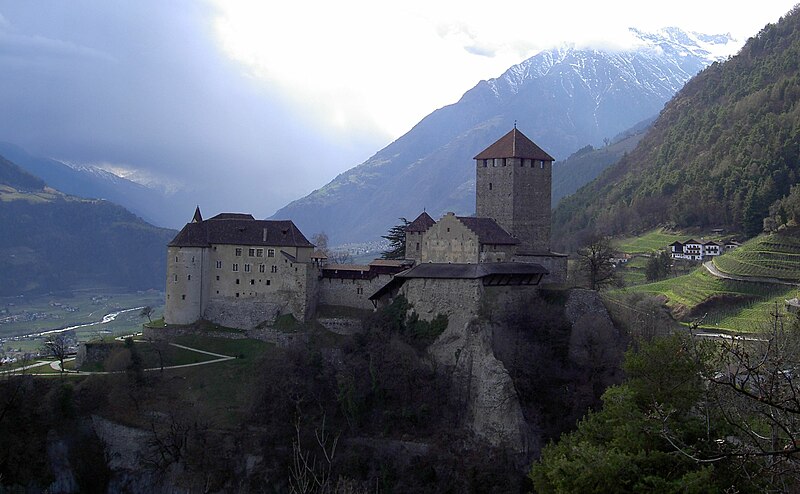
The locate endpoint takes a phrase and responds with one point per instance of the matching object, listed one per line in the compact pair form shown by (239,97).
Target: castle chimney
(264,236)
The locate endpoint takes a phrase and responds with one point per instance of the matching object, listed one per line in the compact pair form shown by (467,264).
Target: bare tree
(753,387)
(57,345)
(147,312)
(594,259)
(340,257)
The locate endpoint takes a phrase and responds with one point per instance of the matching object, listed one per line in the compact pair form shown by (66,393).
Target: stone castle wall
(185,270)
(449,241)
(350,292)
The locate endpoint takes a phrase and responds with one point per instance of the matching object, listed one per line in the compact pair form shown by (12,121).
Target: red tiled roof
(514,145)
(421,224)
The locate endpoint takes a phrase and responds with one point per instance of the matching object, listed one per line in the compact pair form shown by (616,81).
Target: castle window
(217,278)
(262,268)
(274,269)
(217,292)
(176,258)
(237,294)
(175,278)
(252,282)
(183,297)
(235,266)
(219,264)
(237,281)
(259,252)
(541,164)
(485,163)
(238,251)
(270,252)
(490,185)
(246,268)
(360,291)
(251,252)
(189,278)
(268,281)
(417,245)
(192,258)
(494,162)
(503,161)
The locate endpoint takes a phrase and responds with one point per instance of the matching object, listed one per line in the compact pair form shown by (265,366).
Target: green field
(648,242)
(726,304)
(768,256)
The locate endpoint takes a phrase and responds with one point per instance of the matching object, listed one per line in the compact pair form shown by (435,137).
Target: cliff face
(530,365)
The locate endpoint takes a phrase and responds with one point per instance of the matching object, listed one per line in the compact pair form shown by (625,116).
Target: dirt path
(56,365)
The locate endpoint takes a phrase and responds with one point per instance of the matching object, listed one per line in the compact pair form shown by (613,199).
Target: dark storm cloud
(143,84)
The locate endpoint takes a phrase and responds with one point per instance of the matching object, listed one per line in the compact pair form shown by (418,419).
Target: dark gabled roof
(676,243)
(487,230)
(232,216)
(197,216)
(528,272)
(711,243)
(692,241)
(470,271)
(240,229)
(421,224)
(514,145)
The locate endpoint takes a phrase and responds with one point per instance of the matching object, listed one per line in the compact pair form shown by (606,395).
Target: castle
(237,271)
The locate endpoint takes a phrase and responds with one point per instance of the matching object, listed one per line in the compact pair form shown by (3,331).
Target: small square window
(183,297)
(237,294)
(259,252)
(274,269)
(217,278)
(189,277)
(237,281)
(235,266)
(270,252)
(238,251)
(251,252)
(268,282)
(252,282)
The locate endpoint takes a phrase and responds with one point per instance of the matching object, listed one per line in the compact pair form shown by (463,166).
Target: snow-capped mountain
(563,98)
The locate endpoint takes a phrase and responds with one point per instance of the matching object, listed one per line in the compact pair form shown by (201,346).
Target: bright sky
(252,104)
(357,64)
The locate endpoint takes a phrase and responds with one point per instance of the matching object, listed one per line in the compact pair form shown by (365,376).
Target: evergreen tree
(397,241)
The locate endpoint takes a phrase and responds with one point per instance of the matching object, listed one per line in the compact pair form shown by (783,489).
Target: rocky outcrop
(484,384)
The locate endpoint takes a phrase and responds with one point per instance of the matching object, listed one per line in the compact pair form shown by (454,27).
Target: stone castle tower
(513,184)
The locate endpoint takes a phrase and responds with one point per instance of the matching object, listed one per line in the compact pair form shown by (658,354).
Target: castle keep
(237,271)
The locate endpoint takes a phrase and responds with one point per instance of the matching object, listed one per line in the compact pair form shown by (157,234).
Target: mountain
(563,98)
(52,241)
(587,163)
(723,150)
(14,176)
(93,182)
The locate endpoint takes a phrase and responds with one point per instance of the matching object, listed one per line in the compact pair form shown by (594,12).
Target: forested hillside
(51,241)
(722,151)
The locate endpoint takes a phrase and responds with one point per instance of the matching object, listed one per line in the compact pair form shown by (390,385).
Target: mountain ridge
(430,167)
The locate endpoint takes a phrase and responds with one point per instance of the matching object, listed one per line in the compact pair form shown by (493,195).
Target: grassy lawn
(651,241)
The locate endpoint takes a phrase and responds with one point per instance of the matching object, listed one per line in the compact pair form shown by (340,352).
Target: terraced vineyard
(770,256)
(726,304)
